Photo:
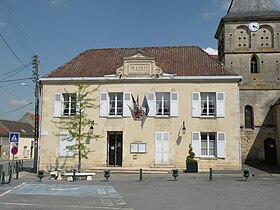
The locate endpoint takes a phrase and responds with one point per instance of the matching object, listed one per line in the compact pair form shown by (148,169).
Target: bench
(88,176)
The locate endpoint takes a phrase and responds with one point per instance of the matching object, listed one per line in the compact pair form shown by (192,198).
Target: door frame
(270,155)
(162,132)
(116,160)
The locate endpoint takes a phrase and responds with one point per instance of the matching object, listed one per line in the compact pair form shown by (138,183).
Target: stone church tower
(249,44)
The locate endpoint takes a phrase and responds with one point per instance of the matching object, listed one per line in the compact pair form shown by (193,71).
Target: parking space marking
(100,191)
(106,202)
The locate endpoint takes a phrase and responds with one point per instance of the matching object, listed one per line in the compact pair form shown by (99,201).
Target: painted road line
(120,202)
(64,206)
(11,189)
(106,202)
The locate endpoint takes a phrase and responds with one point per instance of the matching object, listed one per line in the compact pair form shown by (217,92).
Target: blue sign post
(14,137)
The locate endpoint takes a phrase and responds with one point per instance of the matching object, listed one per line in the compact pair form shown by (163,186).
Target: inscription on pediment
(139,65)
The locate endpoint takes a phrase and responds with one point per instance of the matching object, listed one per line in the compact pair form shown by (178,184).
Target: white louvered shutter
(196,108)
(63,151)
(220,101)
(196,143)
(104,104)
(126,104)
(57,106)
(151,103)
(174,104)
(221,145)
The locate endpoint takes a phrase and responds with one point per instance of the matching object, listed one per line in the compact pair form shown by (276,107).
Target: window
(69,104)
(208,104)
(115,103)
(254,65)
(249,117)
(163,104)
(208,144)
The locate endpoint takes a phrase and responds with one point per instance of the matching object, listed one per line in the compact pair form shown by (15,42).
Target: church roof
(251,8)
(179,60)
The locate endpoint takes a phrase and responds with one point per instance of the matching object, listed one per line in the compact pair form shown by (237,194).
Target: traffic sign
(14,150)
(14,137)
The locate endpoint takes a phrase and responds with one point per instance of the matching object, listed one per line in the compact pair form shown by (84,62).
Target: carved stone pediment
(139,65)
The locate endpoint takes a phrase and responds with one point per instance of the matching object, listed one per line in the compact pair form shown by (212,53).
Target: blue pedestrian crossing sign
(14,137)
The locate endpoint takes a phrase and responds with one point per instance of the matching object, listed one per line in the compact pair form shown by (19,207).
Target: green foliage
(78,126)
(190,157)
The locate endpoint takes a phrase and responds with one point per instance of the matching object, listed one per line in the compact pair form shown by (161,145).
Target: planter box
(191,167)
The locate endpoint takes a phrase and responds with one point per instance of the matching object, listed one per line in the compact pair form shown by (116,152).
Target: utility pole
(36,94)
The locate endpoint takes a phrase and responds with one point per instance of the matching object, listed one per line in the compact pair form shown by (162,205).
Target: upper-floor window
(115,103)
(254,65)
(65,104)
(208,104)
(249,117)
(163,104)
(69,104)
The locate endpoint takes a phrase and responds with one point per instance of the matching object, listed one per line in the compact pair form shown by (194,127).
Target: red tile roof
(180,60)
(25,129)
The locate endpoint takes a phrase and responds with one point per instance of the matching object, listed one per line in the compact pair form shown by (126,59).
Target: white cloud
(211,51)
(54,2)
(18,102)
(2,23)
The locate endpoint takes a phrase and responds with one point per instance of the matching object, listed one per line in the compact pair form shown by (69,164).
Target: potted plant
(191,163)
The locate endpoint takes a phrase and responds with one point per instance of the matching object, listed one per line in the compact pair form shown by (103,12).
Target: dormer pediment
(139,65)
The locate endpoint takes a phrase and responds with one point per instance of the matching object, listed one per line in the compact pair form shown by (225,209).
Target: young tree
(80,126)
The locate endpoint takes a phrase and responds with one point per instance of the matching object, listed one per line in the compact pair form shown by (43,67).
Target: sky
(58,30)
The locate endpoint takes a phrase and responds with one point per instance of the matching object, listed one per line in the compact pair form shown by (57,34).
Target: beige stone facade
(156,139)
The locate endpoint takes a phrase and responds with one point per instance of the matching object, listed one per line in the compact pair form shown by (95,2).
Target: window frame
(208,141)
(164,104)
(70,104)
(113,98)
(208,95)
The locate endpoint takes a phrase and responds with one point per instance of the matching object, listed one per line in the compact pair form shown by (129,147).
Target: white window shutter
(196,107)
(151,103)
(220,101)
(196,143)
(126,104)
(221,145)
(104,104)
(63,151)
(57,106)
(174,104)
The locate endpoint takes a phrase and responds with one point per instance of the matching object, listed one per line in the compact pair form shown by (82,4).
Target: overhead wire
(15,27)
(14,110)
(15,70)
(13,80)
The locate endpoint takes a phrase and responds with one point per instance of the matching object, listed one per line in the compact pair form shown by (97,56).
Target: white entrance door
(162,147)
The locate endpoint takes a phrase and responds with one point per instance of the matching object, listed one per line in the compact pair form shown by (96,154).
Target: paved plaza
(154,192)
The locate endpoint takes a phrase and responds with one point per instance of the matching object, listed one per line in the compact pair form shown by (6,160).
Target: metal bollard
(210,175)
(141,175)
(3,177)
(17,169)
(74,175)
(1,170)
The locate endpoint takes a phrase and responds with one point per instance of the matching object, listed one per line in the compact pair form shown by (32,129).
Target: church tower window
(249,117)
(255,65)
